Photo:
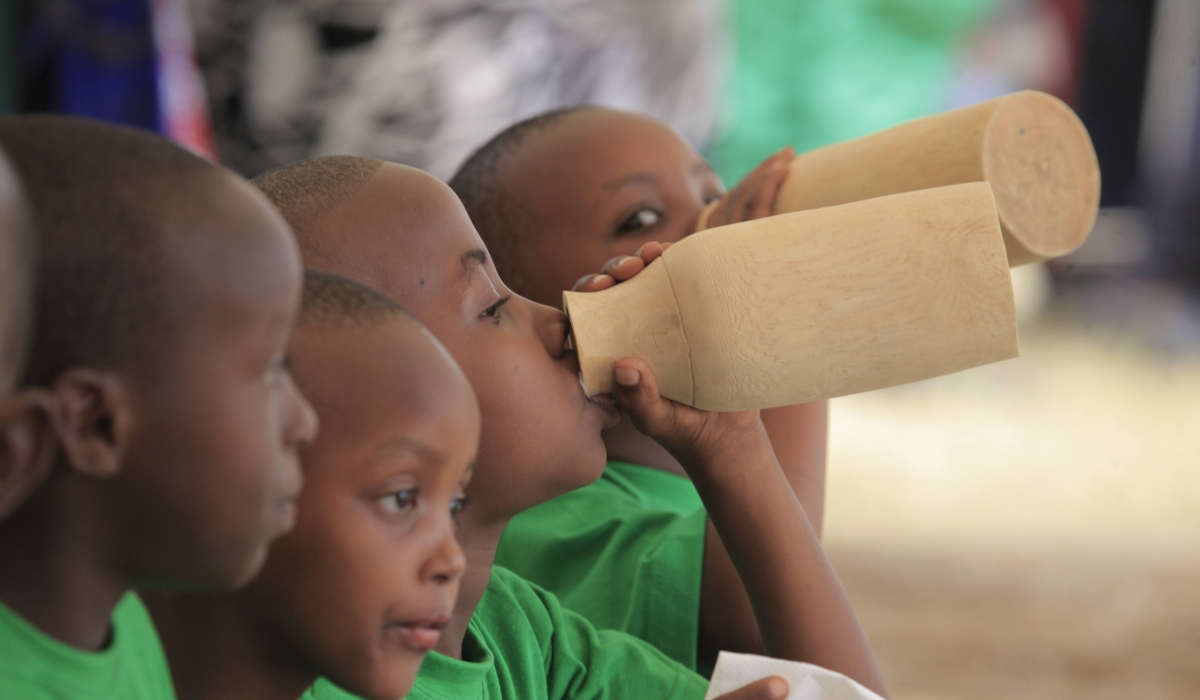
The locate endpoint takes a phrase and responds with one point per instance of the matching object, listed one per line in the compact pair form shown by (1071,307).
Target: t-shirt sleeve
(583,663)
(619,555)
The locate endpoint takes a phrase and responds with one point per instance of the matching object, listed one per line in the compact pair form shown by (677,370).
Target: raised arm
(798,436)
(802,610)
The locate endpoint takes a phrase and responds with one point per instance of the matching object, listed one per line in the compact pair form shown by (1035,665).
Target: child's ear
(93,418)
(26,446)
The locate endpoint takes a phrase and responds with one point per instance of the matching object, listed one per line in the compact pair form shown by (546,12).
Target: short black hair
(333,300)
(305,189)
(100,197)
(497,216)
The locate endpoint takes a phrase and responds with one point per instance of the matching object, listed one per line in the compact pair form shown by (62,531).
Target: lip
(606,404)
(420,635)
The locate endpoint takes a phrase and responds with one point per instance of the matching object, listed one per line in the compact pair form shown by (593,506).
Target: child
(555,197)
(16,276)
(406,234)
(360,590)
(165,292)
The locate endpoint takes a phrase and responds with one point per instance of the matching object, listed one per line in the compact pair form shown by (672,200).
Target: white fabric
(807,682)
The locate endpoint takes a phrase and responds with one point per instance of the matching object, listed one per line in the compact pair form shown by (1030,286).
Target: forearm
(802,610)
(800,438)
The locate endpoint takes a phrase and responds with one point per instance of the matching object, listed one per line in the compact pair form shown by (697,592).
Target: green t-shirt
(34,666)
(522,645)
(625,552)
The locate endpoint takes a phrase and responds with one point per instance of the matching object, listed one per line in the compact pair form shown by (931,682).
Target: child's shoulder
(133,667)
(524,626)
(521,644)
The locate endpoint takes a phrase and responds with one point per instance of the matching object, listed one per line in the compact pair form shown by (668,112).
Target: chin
(393,685)
(251,568)
(588,465)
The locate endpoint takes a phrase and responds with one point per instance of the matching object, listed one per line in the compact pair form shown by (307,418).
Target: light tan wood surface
(811,305)
(1029,146)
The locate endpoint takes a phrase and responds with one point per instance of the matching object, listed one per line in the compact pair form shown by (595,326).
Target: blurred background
(1025,530)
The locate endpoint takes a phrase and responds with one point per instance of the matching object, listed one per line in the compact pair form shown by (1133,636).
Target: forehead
(376,383)
(596,145)
(411,239)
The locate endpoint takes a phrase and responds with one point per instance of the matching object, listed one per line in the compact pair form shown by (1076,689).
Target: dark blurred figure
(92,58)
(129,62)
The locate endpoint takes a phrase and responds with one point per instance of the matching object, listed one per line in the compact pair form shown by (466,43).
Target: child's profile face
(598,184)
(15,277)
(211,474)
(362,587)
(541,434)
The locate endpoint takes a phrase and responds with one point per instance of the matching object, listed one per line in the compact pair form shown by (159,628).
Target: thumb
(771,688)
(637,394)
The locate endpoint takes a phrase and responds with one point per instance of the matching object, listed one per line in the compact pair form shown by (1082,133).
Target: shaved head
(104,199)
(333,300)
(334,237)
(303,191)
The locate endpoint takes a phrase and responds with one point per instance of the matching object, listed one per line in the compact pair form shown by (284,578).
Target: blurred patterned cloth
(424,82)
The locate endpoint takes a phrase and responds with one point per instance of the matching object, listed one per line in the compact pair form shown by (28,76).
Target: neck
(479,540)
(54,570)
(217,651)
(626,444)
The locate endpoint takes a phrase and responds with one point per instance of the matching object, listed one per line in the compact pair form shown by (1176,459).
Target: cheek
(244,438)
(329,582)
(530,407)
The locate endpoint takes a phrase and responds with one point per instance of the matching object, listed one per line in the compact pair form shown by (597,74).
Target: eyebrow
(403,443)
(633,179)
(697,168)
(472,260)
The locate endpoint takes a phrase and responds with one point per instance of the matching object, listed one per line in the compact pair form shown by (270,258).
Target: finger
(667,245)
(763,202)
(739,197)
(637,394)
(649,252)
(622,269)
(593,283)
(771,688)
(628,268)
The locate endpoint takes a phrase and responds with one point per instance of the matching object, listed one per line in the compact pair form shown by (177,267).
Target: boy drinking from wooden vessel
(565,194)
(406,234)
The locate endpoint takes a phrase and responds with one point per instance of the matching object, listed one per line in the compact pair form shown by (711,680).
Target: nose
(550,324)
(301,423)
(447,561)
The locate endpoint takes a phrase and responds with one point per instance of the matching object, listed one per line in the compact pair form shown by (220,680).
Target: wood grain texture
(1029,146)
(811,305)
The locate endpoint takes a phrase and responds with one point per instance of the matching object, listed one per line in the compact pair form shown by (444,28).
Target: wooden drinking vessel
(811,305)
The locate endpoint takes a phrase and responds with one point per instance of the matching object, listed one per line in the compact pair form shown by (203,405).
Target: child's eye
(493,312)
(399,501)
(457,506)
(643,218)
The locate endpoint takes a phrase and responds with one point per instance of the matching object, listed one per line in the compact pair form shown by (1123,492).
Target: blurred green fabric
(807,73)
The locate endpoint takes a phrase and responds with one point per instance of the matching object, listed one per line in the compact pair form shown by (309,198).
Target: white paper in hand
(807,682)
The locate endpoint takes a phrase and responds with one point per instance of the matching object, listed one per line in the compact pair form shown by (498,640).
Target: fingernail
(601,278)
(778,688)
(627,376)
